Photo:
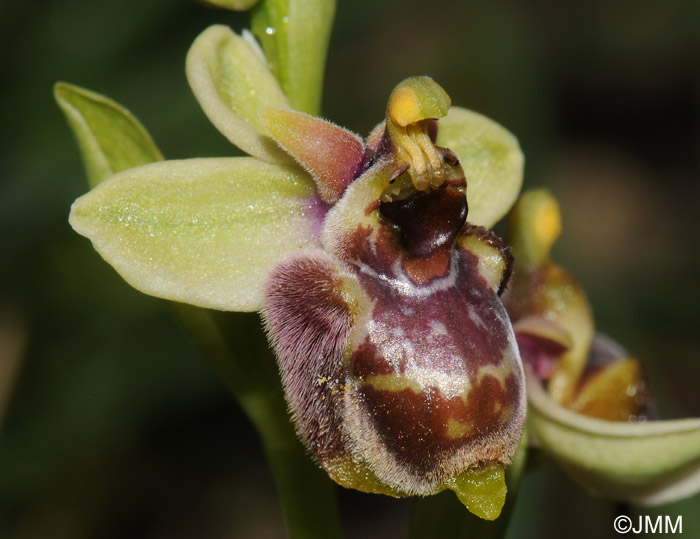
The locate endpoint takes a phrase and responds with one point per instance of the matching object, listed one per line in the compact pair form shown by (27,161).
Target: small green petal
(491,159)
(294,35)
(200,231)
(111,139)
(648,462)
(235,5)
(231,81)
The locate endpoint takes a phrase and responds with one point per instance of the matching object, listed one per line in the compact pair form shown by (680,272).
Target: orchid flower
(378,280)
(398,360)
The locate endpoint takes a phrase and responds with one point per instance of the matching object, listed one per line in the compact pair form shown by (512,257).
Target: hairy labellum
(398,359)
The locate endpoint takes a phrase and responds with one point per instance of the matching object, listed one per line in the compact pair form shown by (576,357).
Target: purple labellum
(401,371)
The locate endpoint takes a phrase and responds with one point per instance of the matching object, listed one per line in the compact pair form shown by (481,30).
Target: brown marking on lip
(419,429)
(374,205)
(423,270)
(366,362)
(379,251)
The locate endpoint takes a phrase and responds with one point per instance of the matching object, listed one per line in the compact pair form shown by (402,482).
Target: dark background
(113,426)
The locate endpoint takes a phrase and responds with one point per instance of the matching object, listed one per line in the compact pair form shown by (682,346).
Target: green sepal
(200,231)
(492,162)
(647,462)
(294,35)
(230,79)
(110,138)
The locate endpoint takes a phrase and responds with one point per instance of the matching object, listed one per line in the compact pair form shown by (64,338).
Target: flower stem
(237,349)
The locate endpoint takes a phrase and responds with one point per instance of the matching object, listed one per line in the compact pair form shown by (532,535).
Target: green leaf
(491,159)
(295,35)
(110,138)
(231,81)
(648,462)
(200,231)
(235,5)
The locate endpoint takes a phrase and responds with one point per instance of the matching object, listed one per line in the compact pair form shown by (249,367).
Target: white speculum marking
(404,357)
(404,286)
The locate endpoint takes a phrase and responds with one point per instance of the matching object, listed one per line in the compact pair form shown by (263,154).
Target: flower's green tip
(482,492)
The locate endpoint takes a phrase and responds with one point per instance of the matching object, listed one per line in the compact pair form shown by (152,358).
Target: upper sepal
(201,231)
(110,138)
(230,79)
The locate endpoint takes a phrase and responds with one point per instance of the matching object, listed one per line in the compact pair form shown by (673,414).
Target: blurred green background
(112,425)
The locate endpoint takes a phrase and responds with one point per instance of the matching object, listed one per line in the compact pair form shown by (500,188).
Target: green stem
(444,516)
(238,351)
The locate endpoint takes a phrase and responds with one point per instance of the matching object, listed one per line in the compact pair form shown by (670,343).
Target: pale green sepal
(492,162)
(647,462)
(200,231)
(235,5)
(295,35)
(232,83)
(110,138)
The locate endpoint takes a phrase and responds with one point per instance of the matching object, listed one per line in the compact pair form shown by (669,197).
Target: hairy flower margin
(379,287)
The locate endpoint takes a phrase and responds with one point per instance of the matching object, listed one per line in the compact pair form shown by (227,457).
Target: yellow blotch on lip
(392,382)
(483,492)
(457,429)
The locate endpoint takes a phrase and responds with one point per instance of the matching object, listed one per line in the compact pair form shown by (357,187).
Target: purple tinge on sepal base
(332,155)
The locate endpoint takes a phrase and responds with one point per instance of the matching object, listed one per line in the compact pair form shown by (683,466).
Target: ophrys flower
(379,286)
